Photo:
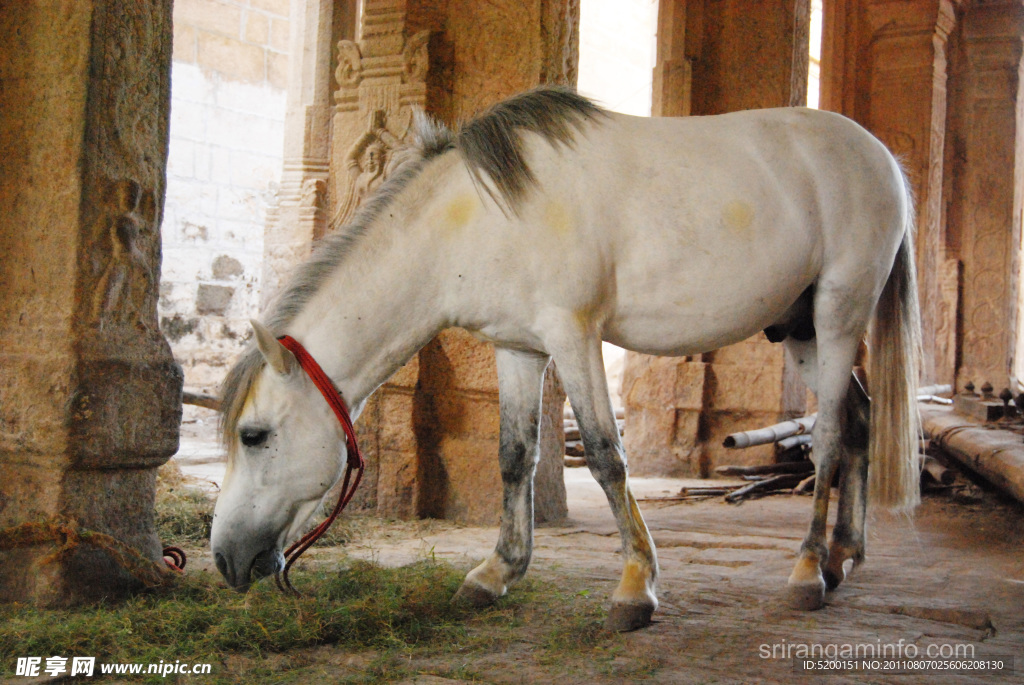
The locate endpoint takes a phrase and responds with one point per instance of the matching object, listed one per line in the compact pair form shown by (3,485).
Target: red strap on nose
(355,460)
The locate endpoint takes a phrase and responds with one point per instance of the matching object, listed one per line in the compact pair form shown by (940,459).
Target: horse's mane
(491,147)
(492,144)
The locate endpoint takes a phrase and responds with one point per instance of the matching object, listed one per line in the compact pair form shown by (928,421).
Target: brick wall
(228,82)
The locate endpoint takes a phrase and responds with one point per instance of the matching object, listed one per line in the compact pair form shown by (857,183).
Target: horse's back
(696,172)
(703,230)
(677,236)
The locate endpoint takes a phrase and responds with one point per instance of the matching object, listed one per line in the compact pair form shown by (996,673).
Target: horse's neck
(379,307)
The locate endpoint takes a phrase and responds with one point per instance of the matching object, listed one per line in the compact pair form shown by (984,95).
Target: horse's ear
(277,356)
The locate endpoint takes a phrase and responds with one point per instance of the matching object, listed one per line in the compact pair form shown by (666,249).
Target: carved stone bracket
(415,58)
(349,71)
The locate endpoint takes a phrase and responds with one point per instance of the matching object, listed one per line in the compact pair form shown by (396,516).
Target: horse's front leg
(520,387)
(581,368)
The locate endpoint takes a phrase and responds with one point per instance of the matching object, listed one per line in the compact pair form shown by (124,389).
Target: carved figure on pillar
(381,79)
(127,268)
(369,163)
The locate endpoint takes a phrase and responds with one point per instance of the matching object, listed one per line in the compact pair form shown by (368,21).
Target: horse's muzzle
(241,573)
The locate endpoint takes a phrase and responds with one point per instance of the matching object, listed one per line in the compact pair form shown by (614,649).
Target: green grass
(392,617)
(363,624)
(365,606)
(184,512)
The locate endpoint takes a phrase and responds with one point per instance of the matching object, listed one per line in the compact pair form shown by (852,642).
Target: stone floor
(953,576)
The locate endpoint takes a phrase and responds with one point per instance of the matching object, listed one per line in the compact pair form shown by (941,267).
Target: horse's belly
(673,336)
(693,306)
(674,332)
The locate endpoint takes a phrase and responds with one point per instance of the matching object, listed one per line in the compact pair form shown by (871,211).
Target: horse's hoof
(833,578)
(835,570)
(625,617)
(474,595)
(806,596)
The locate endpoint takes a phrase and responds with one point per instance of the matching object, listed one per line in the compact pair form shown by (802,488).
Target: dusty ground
(952,576)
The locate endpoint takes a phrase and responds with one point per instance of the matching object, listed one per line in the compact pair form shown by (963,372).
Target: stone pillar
(90,397)
(480,54)
(673,72)
(749,54)
(717,56)
(984,203)
(485,52)
(378,81)
(300,215)
(431,432)
(883,64)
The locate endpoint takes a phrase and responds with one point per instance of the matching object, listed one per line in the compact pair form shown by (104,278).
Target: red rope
(175,558)
(355,457)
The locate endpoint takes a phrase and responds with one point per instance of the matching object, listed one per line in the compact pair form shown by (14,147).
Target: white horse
(547,225)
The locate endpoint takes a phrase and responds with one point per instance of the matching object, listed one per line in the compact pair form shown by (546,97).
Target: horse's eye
(252,437)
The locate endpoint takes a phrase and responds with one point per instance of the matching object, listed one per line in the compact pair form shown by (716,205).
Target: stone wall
(228,81)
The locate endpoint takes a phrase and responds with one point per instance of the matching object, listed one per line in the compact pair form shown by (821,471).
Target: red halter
(355,457)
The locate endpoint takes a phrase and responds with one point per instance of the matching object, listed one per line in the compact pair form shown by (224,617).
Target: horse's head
(285,451)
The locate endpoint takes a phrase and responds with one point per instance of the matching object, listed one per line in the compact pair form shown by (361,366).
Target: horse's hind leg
(581,369)
(840,323)
(520,386)
(848,534)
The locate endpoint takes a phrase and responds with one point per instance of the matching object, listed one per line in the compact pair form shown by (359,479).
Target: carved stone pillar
(378,81)
(884,65)
(90,397)
(748,54)
(381,80)
(673,72)
(717,56)
(433,428)
(984,203)
(300,215)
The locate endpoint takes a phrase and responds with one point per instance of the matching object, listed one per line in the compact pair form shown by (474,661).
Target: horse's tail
(894,471)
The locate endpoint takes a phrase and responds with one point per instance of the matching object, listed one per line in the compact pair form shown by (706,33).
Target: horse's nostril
(266,563)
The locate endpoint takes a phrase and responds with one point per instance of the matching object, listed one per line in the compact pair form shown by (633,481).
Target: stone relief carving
(946,319)
(127,277)
(313,190)
(368,163)
(380,80)
(415,58)
(350,65)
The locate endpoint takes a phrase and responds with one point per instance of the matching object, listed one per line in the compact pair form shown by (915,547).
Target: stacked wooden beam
(794,471)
